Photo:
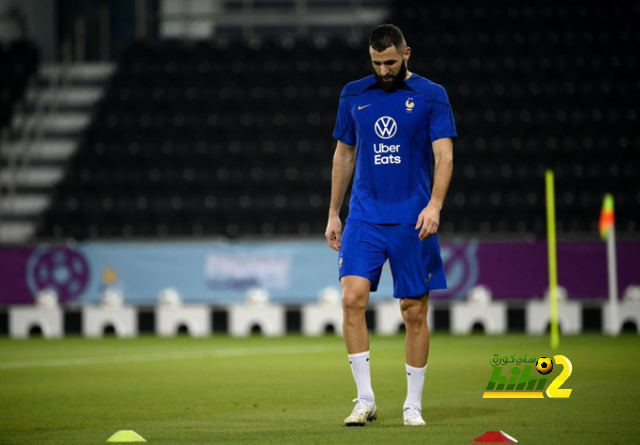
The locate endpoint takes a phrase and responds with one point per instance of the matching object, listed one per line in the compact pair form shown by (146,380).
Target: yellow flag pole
(553,265)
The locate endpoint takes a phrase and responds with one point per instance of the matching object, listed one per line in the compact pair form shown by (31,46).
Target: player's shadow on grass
(444,416)
(438,415)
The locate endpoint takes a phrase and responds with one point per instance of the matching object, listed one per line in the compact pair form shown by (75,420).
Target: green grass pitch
(297,390)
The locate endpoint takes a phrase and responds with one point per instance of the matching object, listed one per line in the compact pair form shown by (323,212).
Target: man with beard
(395,129)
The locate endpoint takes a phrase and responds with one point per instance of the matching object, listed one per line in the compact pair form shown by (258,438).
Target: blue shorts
(416,266)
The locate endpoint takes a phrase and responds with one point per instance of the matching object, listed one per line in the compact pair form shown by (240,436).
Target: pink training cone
(495,437)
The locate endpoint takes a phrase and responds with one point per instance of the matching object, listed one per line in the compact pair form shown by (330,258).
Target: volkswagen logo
(386,127)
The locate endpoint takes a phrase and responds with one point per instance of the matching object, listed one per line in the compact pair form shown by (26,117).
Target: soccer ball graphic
(544,365)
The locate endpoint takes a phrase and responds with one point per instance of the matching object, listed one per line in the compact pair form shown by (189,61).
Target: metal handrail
(22,126)
(31,128)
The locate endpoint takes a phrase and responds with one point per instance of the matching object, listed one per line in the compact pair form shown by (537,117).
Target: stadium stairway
(45,133)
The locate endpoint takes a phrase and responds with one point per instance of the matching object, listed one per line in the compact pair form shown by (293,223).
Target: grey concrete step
(16,232)
(24,205)
(80,70)
(32,177)
(64,122)
(73,95)
(51,149)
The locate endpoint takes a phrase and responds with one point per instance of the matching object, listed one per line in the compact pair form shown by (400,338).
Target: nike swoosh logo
(362,107)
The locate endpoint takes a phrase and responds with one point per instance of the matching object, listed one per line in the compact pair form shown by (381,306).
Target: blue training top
(392,133)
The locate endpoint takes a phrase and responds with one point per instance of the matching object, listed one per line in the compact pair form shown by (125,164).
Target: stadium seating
(534,87)
(233,138)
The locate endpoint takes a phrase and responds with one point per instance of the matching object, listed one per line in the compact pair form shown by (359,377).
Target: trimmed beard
(398,79)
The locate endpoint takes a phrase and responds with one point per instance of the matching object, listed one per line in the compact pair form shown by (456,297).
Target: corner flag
(607,217)
(607,229)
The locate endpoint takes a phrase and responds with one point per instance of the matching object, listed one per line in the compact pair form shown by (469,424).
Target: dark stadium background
(214,119)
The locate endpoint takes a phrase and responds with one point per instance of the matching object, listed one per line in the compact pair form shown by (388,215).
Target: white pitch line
(162,356)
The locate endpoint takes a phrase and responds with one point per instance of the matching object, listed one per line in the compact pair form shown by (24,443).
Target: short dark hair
(385,36)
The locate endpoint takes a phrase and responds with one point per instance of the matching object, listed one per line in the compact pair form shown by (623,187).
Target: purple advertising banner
(294,271)
(520,270)
(13,275)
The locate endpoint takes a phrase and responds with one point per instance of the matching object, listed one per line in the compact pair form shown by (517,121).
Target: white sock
(362,375)
(415,383)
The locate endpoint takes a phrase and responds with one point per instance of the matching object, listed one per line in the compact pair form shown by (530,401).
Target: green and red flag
(607,217)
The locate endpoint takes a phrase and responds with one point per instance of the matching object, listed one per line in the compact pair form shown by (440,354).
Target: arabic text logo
(386,127)
(519,383)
